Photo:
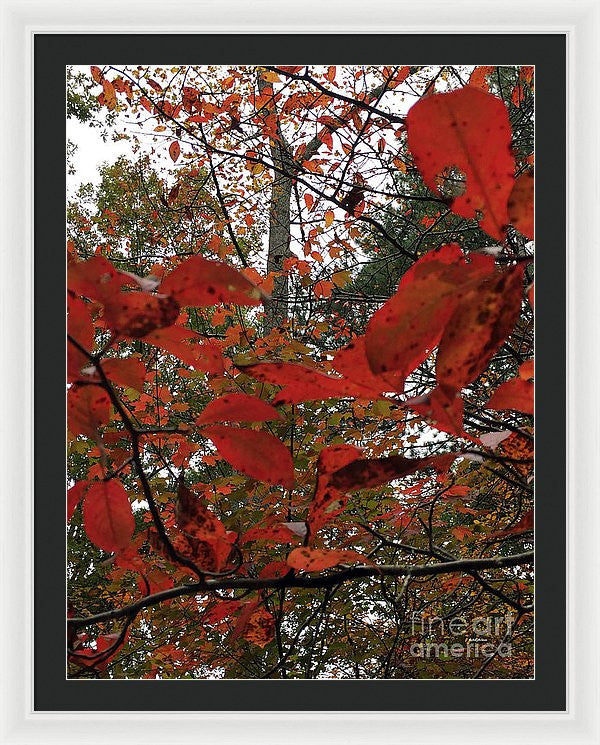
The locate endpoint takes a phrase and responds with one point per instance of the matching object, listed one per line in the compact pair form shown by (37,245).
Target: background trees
(307,478)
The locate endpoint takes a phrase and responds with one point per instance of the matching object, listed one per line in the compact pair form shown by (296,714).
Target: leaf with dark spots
(467,129)
(200,282)
(403,332)
(135,314)
(315,559)
(195,519)
(366,473)
(88,409)
(478,326)
(238,407)
(255,624)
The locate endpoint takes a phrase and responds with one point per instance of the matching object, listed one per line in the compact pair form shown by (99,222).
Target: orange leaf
(479,76)
(174,150)
(315,559)
(110,96)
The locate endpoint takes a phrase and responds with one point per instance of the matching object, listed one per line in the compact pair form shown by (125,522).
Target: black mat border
(52,53)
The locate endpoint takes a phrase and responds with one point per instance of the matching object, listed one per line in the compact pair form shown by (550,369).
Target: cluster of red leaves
(463,305)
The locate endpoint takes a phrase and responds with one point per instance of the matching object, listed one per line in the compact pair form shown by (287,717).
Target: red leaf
(478,326)
(365,473)
(328,502)
(107,515)
(323,288)
(444,408)
(479,76)
(273,529)
(81,328)
(131,314)
(302,383)
(467,129)
(96,278)
(88,409)
(402,333)
(220,611)
(128,372)
(516,394)
(174,151)
(74,496)
(238,407)
(199,282)
(315,559)
(520,204)
(526,370)
(256,625)
(197,521)
(135,314)
(246,450)
(189,347)
(351,362)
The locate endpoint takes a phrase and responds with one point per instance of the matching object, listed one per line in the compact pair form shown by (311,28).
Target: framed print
(308,274)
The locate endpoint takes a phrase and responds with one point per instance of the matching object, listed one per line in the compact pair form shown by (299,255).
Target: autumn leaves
(461,304)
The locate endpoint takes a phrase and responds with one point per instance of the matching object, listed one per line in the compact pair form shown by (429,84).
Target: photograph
(300,372)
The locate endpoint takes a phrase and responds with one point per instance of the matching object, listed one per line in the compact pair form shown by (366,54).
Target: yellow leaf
(270,76)
(328,218)
(340,279)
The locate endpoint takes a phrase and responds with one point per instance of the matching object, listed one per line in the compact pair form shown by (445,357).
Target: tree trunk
(276,309)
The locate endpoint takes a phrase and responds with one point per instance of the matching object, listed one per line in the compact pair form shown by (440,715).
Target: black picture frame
(52,691)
